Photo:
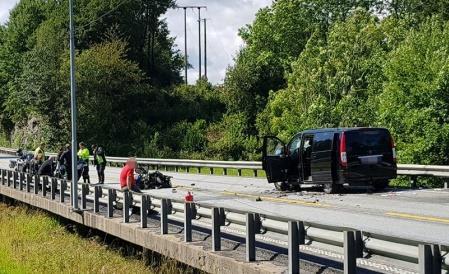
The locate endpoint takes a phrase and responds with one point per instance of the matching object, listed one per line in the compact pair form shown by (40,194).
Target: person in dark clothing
(66,160)
(47,167)
(99,162)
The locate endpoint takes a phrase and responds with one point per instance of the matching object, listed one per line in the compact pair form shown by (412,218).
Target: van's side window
(323,141)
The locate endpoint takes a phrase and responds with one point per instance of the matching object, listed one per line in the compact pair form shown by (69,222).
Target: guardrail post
(293,248)
(53,187)
(144,211)
(21,181)
(44,186)
(222,216)
(62,191)
(350,260)
(164,216)
(188,169)
(425,259)
(84,193)
(15,178)
(176,169)
(436,259)
(28,183)
(301,233)
(358,240)
(2,178)
(8,178)
(250,238)
(111,198)
(446,185)
(126,205)
(97,194)
(211,171)
(37,181)
(188,222)
(225,171)
(239,172)
(216,233)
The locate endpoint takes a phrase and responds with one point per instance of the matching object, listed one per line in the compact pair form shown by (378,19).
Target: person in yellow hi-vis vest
(83,162)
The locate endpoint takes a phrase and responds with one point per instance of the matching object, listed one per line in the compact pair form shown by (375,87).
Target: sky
(224,18)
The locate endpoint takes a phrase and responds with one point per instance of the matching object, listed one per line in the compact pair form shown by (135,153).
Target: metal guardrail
(412,171)
(430,257)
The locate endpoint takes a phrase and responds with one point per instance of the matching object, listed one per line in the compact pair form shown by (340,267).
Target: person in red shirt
(127,180)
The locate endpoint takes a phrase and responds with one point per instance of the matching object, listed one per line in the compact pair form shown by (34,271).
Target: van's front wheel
(332,188)
(281,186)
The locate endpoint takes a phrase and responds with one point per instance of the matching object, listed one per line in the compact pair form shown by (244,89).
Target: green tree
(415,101)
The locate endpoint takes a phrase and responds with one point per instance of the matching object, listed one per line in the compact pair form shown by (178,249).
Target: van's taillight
(343,156)
(393,149)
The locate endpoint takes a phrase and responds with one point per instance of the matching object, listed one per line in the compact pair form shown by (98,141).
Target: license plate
(370,160)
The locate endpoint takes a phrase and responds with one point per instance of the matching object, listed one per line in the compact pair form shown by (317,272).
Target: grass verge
(34,242)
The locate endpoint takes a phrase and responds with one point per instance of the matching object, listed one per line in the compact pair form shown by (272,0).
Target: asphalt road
(421,215)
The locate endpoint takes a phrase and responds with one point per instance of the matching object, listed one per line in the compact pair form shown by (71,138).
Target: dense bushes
(306,64)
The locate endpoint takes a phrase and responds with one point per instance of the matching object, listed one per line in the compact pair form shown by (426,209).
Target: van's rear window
(368,142)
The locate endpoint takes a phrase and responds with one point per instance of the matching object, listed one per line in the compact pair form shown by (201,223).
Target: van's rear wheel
(380,185)
(332,188)
(281,186)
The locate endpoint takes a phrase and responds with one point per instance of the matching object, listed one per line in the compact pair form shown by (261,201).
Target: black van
(331,157)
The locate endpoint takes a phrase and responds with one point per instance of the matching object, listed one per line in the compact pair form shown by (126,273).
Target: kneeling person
(127,180)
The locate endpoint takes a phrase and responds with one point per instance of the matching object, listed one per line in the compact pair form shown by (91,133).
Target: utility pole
(74,187)
(205,49)
(199,43)
(186,60)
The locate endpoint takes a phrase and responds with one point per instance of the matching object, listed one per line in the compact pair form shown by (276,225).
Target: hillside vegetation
(305,64)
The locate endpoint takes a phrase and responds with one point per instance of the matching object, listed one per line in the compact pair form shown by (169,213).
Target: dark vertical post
(62,190)
(187,222)
(84,193)
(15,178)
(3,174)
(111,198)
(37,180)
(436,259)
(250,238)
(97,194)
(350,260)
(126,206)
(216,233)
(21,181)
(425,259)
(144,211)
(8,178)
(164,216)
(54,185)
(28,183)
(44,186)
(293,248)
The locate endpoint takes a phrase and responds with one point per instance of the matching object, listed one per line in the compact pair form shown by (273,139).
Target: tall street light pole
(186,59)
(74,187)
(199,43)
(205,49)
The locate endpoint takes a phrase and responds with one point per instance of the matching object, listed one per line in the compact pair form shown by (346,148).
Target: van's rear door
(370,154)
(275,162)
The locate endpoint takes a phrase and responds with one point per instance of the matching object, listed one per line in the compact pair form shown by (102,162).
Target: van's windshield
(368,142)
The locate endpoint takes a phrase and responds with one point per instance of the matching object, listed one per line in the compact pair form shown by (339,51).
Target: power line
(105,14)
